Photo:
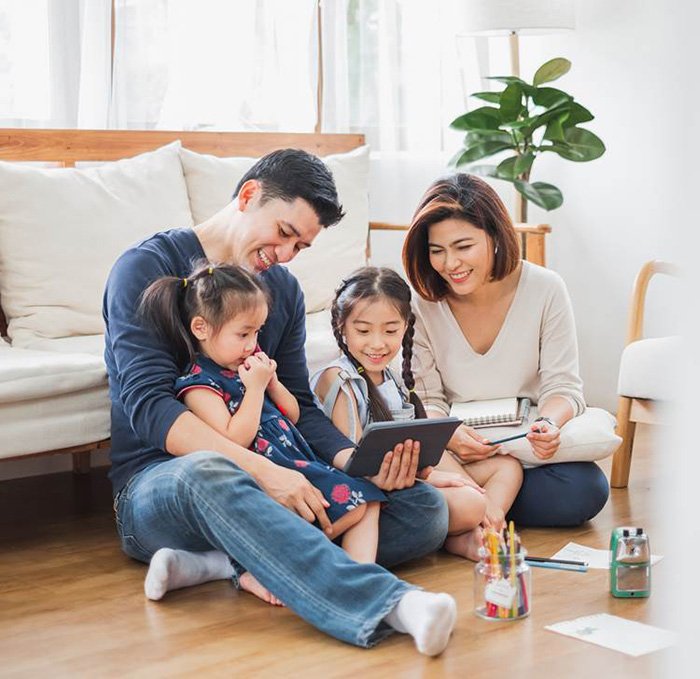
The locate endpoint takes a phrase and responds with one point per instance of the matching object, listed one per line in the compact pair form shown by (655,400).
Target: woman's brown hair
(458,196)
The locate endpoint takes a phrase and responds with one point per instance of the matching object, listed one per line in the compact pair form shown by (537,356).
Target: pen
(546,559)
(508,438)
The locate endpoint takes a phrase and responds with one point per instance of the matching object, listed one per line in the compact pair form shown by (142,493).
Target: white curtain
(54,63)
(391,68)
(236,65)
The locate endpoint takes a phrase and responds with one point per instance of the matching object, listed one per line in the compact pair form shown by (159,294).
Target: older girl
(372,322)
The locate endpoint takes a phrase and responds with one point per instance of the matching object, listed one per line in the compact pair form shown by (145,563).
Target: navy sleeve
(142,370)
(283,338)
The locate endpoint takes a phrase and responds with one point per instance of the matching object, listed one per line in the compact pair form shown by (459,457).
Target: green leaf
(483,170)
(585,145)
(506,169)
(487,135)
(510,79)
(491,97)
(544,118)
(487,148)
(545,195)
(555,131)
(484,118)
(577,114)
(511,102)
(456,159)
(524,163)
(551,70)
(518,124)
(549,97)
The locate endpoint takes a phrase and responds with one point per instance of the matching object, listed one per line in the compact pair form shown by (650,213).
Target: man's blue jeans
(203,501)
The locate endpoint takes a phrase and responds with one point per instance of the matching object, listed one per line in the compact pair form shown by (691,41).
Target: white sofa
(60,232)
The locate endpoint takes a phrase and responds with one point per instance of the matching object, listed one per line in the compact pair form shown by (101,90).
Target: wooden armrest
(635,327)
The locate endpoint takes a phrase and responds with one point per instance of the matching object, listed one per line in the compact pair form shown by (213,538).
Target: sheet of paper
(610,631)
(596,558)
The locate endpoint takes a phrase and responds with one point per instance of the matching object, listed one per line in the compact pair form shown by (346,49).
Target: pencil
(544,559)
(557,566)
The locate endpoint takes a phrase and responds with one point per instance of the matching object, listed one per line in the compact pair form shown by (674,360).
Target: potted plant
(528,120)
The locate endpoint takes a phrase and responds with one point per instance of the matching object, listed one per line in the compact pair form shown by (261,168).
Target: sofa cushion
(62,229)
(26,374)
(336,252)
(649,368)
(50,401)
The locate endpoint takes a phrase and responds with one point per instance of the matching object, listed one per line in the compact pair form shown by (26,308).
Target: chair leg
(81,463)
(622,459)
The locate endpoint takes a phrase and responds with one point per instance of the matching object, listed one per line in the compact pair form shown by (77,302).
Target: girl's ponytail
(161,307)
(407,372)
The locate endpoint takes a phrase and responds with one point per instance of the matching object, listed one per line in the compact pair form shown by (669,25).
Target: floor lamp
(514,18)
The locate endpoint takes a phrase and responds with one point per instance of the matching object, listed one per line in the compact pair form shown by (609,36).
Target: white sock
(176,568)
(429,618)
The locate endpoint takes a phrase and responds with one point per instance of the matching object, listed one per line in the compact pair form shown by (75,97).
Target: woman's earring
(495,250)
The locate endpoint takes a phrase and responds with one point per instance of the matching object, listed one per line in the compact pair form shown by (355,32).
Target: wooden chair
(640,403)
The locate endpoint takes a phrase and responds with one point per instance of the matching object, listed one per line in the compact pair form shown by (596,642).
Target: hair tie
(184,282)
(360,369)
(211,270)
(411,391)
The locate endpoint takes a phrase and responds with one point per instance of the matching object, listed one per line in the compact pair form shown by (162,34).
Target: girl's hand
(544,439)
(399,467)
(257,371)
(441,479)
(469,446)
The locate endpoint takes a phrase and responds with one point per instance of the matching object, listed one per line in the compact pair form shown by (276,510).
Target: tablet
(380,437)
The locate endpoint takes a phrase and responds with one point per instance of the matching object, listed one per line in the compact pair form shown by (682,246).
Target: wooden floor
(71,604)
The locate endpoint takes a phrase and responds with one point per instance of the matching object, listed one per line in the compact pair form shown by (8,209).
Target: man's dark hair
(292,173)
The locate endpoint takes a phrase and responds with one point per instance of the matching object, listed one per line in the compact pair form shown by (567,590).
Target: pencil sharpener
(630,563)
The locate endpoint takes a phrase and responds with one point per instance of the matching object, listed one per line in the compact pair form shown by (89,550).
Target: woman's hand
(441,479)
(399,467)
(469,446)
(544,439)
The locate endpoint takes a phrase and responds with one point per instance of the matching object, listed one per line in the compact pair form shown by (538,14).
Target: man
(180,484)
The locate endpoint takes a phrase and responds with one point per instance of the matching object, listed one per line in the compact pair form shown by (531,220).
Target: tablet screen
(378,438)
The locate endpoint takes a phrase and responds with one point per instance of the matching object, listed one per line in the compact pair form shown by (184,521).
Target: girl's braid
(406,370)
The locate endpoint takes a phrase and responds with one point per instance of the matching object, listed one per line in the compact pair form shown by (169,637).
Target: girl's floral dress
(280,441)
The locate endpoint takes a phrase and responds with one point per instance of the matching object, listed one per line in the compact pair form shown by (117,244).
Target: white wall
(616,209)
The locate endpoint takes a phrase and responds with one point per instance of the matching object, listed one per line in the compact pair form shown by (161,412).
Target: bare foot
(250,584)
(466,545)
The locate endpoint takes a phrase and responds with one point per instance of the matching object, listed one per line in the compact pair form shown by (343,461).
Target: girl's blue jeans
(203,501)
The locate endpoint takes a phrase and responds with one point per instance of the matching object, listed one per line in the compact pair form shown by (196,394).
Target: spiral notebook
(497,412)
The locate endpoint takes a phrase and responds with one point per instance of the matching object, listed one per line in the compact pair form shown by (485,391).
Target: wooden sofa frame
(65,148)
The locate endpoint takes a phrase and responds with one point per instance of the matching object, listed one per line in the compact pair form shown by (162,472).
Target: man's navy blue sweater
(142,371)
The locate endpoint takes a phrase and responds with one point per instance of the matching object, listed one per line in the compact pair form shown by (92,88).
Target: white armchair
(647,374)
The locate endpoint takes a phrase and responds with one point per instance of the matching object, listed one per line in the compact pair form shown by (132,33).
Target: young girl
(211,320)
(372,320)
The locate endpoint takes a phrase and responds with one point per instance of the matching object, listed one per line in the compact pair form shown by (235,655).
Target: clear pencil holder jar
(502,586)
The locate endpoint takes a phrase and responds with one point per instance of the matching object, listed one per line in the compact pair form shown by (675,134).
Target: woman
(489,325)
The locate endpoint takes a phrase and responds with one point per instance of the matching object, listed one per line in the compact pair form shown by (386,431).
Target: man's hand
(469,446)
(399,467)
(293,491)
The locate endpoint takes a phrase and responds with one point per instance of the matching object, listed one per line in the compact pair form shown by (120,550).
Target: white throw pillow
(590,436)
(62,229)
(336,252)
